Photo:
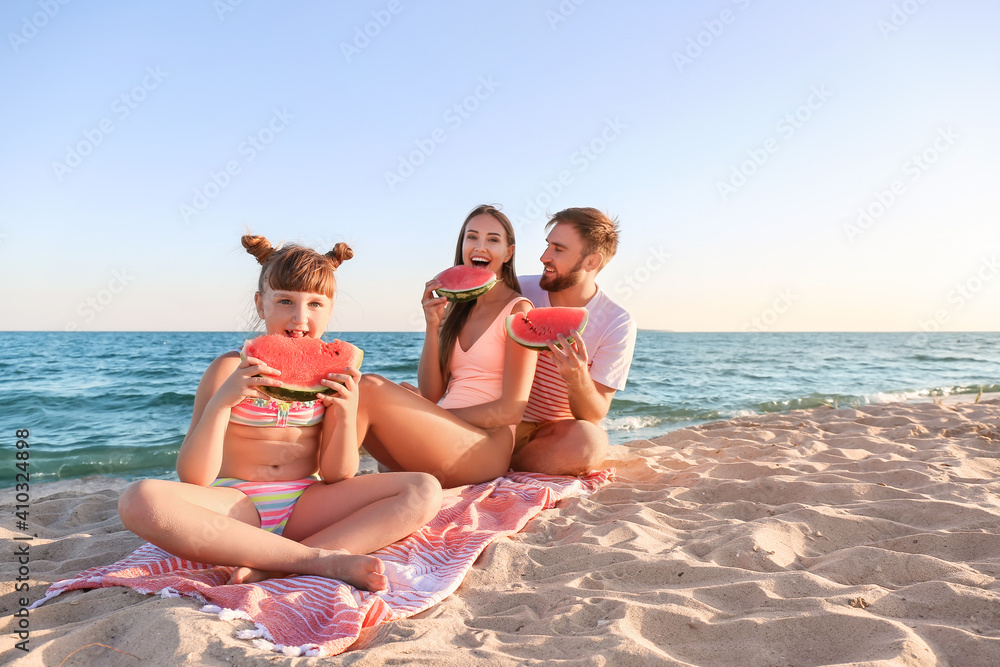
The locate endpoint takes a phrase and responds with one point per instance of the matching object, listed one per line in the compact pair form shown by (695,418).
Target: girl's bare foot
(363,572)
(366,573)
(250,575)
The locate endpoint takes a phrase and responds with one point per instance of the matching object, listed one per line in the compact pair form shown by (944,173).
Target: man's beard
(565,281)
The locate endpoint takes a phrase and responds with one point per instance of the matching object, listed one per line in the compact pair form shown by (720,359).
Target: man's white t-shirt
(610,340)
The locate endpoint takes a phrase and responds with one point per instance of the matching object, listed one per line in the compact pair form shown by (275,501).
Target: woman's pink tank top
(477,374)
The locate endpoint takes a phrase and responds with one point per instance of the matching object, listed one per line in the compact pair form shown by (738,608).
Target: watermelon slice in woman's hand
(465,283)
(303,362)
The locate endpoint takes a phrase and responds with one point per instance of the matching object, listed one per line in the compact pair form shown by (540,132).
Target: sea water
(120,403)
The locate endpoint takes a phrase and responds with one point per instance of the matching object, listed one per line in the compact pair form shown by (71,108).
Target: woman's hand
(344,400)
(407,385)
(244,381)
(433,305)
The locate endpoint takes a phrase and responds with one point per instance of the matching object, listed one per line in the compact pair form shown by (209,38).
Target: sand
(860,536)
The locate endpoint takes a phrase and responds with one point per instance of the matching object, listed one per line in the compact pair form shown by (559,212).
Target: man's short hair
(598,231)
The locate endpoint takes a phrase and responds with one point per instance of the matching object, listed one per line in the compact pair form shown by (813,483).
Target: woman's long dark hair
(458,313)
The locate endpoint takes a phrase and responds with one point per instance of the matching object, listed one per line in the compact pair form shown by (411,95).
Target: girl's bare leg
(220,525)
(359,515)
(408,432)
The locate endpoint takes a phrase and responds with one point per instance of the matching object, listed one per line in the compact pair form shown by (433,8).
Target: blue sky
(822,166)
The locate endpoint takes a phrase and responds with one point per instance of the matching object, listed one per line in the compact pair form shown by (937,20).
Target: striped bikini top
(269,412)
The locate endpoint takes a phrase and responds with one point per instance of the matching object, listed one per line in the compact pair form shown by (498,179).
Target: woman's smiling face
(484,244)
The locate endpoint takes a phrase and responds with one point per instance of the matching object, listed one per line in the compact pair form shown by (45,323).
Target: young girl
(476,375)
(269,486)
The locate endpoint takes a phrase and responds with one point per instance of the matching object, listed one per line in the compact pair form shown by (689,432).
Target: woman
(469,365)
(473,380)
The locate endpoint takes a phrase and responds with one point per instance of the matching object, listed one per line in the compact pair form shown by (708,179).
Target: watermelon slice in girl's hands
(303,362)
(465,283)
(535,328)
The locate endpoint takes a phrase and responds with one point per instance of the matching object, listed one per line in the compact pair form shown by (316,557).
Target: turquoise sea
(119,403)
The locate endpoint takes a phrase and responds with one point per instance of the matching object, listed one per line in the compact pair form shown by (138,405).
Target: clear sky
(808,166)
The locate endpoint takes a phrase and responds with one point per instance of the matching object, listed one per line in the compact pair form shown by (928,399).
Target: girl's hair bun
(340,254)
(258,246)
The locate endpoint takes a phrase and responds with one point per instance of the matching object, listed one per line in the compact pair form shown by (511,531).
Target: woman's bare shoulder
(521,304)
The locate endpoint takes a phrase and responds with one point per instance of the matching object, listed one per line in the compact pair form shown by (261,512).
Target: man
(574,384)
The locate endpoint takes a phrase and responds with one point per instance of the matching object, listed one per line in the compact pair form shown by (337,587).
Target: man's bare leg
(564,447)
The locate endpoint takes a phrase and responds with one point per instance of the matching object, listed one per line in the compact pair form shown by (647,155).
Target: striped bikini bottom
(274,500)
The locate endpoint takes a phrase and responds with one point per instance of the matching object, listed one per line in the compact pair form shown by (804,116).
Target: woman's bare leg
(359,515)
(375,448)
(220,525)
(408,432)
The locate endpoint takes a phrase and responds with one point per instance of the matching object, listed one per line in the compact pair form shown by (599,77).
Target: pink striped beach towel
(313,616)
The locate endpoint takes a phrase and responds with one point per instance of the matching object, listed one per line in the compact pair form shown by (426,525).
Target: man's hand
(588,400)
(571,360)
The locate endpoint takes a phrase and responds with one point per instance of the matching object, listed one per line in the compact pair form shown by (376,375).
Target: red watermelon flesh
(465,283)
(538,326)
(303,362)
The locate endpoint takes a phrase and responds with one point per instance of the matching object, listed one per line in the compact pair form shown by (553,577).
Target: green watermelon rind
(511,319)
(297,393)
(461,296)
(465,295)
(294,395)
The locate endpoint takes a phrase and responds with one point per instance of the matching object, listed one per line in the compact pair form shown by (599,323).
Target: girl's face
(484,244)
(293,314)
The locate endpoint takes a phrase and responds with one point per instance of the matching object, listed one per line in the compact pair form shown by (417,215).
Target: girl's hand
(344,400)
(433,305)
(243,382)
